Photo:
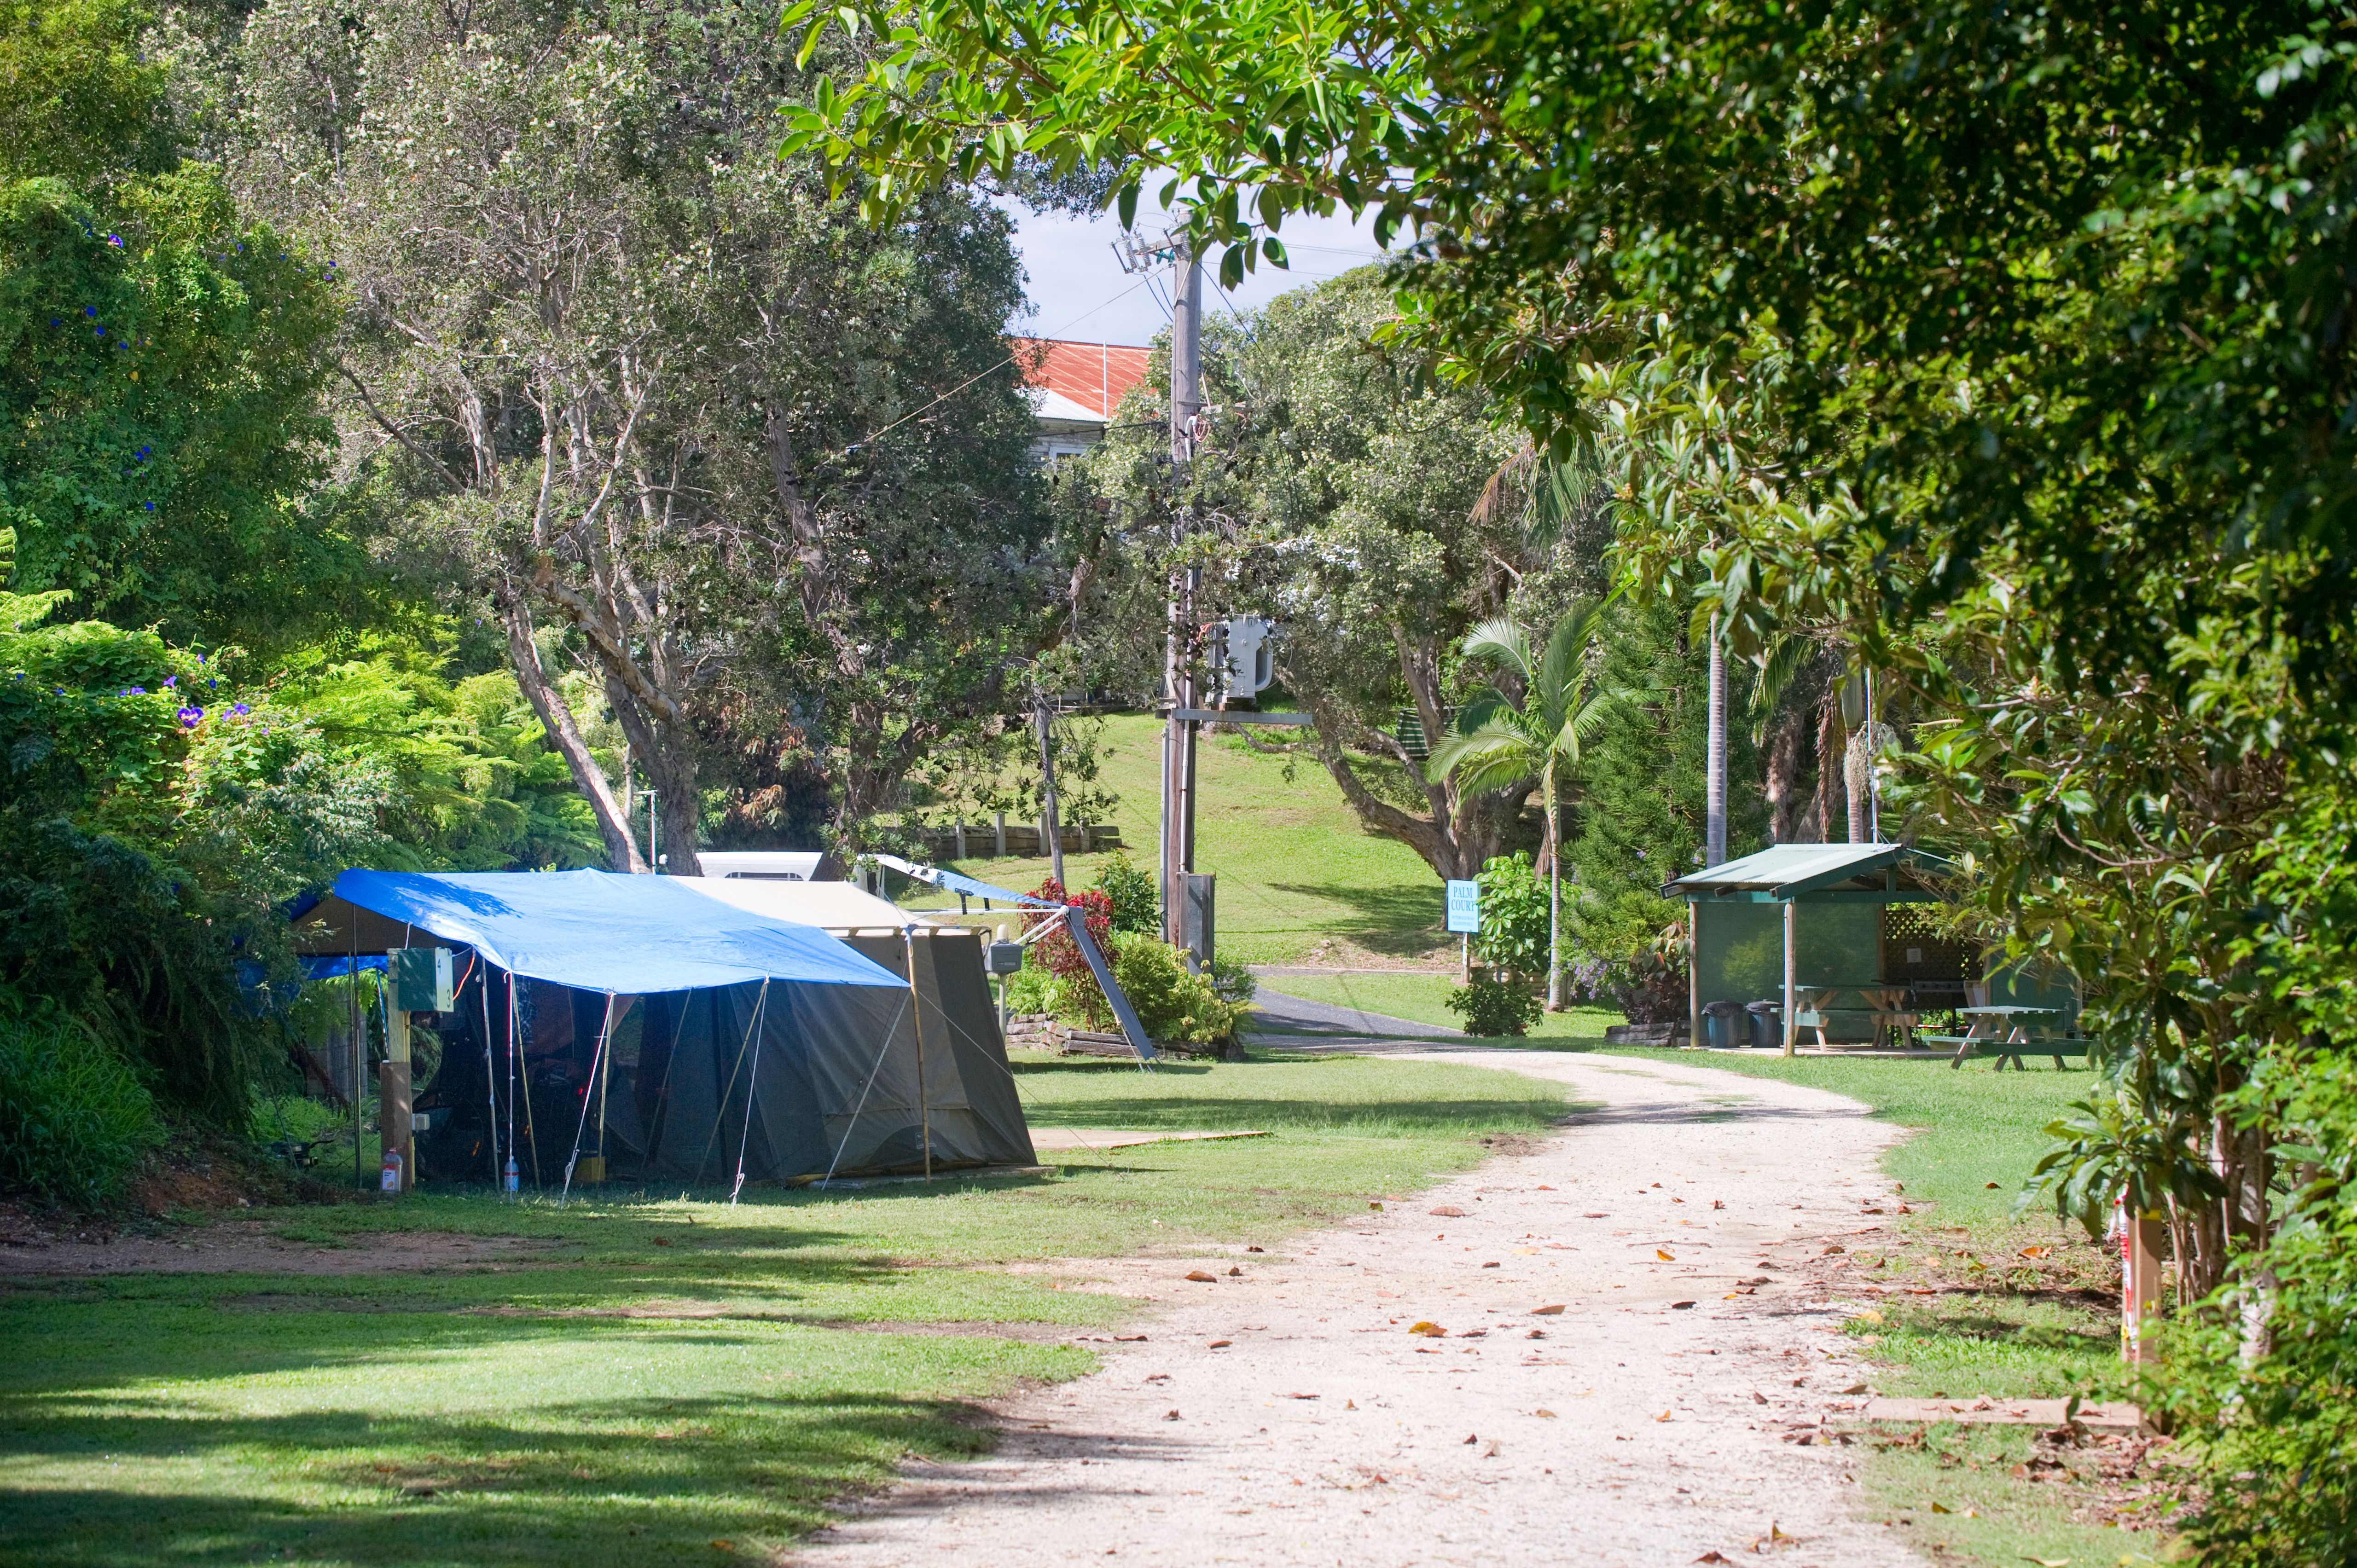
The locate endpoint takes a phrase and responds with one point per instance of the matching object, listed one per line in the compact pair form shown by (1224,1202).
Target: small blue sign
(1465,908)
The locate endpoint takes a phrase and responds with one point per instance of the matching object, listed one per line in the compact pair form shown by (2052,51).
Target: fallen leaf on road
(2048,1561)
(1535,1334)
(1548,1413)
(1855,1388)
(1490,1265)
(1256,1249)
(1349,1405)
(1544,1188)
(1680,1305)
(1220,1344)
(1200,1277)
(1713,1557)
(1555,1310)
(1663,1416)
(1376,1207)
(1526,1251)
(1717,1204)
(1471,1438)
(1447,1211)
(1302,1396)
(1991,1185)
(1233,1271)
(1596,1217)
(1429,1330)
(1657,1252)
(1172,1416)
(1129,1339)
(1942,1507)
(1836,1247)
(2037,1252)
(1759,1398)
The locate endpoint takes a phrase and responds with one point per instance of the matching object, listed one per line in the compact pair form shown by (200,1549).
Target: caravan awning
(590,929)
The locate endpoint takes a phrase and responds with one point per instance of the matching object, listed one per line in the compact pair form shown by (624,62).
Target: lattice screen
(1912,955)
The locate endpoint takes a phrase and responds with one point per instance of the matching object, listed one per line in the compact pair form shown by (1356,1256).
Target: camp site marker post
(2140,1281)
(1465,917)
(1792,1019)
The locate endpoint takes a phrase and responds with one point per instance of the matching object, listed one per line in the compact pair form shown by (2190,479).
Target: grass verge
(657,1376)
(1418,996)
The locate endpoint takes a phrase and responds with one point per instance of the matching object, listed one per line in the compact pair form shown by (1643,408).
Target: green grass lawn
(1295,871)
(661,1372)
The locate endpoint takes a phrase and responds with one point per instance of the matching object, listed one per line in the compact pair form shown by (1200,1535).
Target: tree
(1353,497)
(1502,738)
(643,382)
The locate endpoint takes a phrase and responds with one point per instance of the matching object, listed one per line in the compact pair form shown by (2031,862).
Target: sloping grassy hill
(1300,880)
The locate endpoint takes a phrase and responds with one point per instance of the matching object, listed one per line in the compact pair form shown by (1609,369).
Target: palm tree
(1498,742)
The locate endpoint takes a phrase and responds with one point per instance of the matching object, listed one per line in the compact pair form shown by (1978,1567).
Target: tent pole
(530,1130)
(844,1141)
(360,1046)
(595,1061)
(917,1020)
(492,1078)
(752,1089)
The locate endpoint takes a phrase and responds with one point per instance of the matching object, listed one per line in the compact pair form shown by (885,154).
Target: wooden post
(2140,1242)
(1791,1016)
(999,825)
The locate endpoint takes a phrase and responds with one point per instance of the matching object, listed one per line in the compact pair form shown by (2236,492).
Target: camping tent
(666,1034)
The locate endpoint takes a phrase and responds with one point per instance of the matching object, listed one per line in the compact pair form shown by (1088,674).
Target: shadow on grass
(110,1471)
(1403,921)
(1207,1113)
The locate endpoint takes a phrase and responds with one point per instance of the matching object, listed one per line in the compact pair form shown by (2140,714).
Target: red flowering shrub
(1061,956)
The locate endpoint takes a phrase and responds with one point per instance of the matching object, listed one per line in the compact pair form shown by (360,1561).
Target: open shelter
(1828,921)
(636,1023)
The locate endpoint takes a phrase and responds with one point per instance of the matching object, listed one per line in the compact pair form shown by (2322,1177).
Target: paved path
(1278,1015)
(1285,1414)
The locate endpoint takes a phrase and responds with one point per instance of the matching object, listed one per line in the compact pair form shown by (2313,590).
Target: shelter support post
(917,1022)
(1791,1016)
(1693,973)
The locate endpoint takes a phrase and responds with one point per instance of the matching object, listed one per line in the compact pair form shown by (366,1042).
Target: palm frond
(1567,651)
(1502,641)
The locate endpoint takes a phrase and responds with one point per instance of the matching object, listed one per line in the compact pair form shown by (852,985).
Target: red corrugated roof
(1093,375)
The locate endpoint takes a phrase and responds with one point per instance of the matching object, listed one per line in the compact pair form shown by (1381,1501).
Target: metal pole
(917,1021)
(359,1045)
(1715,786)
(654,842)
(1791,1018)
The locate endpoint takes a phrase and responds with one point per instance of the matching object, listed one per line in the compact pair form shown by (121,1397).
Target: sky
(1079,292)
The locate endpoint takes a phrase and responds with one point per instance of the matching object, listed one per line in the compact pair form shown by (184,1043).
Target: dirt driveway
(1285,1413)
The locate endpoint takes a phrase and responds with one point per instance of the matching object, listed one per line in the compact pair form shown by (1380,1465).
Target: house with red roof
(1074,388)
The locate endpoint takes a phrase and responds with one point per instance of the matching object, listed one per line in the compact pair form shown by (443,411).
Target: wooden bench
(2009,1050)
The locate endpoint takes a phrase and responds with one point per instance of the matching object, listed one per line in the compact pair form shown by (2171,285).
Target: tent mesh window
(1915,954)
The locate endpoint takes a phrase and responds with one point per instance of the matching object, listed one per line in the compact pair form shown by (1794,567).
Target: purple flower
(115,241)
(136,692)
(171,683)
(90,310)
(241,710)
(188,717)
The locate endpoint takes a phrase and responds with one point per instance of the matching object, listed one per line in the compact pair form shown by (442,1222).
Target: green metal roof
(1789,870)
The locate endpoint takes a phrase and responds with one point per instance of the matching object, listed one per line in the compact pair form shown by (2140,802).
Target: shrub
(1513,933)
(74,1121)
(1172,1004)
(1129,890)
(1027,988)
(1492,1007)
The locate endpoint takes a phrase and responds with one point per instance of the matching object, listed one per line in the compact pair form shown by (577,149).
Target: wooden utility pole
(1178,733)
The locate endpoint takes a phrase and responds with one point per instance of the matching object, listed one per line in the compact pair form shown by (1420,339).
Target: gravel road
(1284,1414)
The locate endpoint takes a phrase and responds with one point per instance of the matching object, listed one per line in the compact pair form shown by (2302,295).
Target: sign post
(1465,918)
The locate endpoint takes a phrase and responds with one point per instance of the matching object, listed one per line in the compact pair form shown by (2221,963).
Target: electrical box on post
(421,980)
(1003,957)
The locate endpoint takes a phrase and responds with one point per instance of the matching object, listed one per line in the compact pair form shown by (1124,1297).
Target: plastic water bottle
(512,1182)
(389,1176)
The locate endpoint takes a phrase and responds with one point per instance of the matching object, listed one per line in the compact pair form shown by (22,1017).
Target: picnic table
(2004,1032)
(1887,1003)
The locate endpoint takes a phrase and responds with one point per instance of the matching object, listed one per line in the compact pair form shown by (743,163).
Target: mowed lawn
(657,1376)
(1296,870)
(1421,997)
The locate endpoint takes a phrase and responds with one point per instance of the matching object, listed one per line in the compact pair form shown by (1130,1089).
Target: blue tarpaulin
(596,930)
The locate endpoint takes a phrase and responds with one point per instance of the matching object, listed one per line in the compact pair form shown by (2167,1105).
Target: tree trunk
(556,720)
(1555,898)
(1830,742)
